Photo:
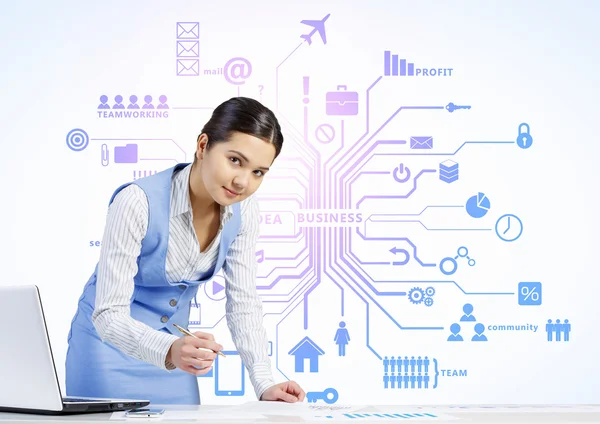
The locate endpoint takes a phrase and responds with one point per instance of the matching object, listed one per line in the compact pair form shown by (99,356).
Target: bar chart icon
(393,66)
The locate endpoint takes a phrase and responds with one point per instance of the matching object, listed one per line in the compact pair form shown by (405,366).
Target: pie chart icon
(478,205)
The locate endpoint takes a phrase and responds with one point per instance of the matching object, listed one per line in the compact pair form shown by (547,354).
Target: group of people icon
(133,102)
(420,364)
(393,377)
(559,330)
(467,317)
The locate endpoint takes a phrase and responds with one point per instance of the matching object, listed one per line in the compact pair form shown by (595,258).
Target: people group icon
(406,373)
(468,316)
(342,338)
(133,102)
(558,331)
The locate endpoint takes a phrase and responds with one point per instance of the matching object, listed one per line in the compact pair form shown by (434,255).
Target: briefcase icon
(421,142)
(341,102)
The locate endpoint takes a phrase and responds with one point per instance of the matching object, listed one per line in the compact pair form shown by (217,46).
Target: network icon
(462,252)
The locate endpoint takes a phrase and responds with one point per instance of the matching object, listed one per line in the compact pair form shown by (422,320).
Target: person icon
(119,102)
(426,364)
(148,100)
(103,100)
(163,102)
(549,330)
(479,337)
(342,338)
(386,380)
(386,363)
(558,328)
(566,330)
(455,337)
(468,310)
(133,102)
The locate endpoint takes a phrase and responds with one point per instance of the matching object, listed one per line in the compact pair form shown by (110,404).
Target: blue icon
(77,140)
(329,396)
(342,338)
(509,227)
(479,336)
(524,139)
(530,294)
(468,316)
(401,170)
(306,349)
(230,375)
(413,373)
(462,252)
(455,336)
(478,205)
(449,171)
(417,295)
(557,331)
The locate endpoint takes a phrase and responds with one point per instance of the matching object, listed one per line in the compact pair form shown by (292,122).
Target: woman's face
(233,170)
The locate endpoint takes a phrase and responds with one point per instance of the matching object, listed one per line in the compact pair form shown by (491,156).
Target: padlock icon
(524,140)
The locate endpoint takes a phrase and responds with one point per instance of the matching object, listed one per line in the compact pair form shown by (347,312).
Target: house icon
(306,349)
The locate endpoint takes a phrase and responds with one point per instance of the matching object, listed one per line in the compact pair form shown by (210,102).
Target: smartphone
(144,412)
(230,374)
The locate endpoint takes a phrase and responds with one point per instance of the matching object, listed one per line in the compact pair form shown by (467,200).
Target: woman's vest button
(182,286)
(164,319)
(172,302)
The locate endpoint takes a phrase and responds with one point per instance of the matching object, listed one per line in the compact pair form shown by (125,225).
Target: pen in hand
(187,333)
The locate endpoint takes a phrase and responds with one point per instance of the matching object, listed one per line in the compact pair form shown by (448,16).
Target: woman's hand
(191,355)
(289,391)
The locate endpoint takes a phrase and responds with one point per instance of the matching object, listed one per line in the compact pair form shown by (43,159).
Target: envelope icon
(421,142)
(187,48)
(188,30)
(188,67)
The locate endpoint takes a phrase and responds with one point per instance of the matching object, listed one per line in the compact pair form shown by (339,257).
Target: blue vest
(98,369)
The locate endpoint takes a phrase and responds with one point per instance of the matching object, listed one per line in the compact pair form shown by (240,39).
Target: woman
(165,235)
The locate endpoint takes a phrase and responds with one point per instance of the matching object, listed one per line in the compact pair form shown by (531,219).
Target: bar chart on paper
(371,417)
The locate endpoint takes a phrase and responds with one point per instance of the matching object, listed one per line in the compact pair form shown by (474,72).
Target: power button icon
(400,170)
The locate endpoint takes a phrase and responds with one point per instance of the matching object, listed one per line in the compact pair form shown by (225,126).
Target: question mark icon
(260,90)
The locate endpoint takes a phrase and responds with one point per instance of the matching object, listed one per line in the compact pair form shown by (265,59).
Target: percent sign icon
(530,294)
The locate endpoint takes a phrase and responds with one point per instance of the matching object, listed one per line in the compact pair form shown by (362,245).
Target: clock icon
(509,227)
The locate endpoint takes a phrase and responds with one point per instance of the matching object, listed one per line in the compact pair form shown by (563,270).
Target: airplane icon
(318,26)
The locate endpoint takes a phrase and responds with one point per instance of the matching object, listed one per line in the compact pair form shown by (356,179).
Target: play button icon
(215,289)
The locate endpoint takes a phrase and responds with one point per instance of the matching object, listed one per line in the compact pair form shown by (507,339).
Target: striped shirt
(126,226)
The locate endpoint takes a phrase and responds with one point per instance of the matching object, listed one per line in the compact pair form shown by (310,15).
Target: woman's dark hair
(244,115)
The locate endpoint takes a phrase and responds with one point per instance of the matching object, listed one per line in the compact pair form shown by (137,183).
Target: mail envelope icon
(188,67)
(187,48)
(421,142)
(188,30)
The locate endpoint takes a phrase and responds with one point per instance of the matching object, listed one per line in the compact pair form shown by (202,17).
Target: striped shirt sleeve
(126,226)
(243,308)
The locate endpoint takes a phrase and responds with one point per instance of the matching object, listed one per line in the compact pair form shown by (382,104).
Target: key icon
(451,107)
(329,396)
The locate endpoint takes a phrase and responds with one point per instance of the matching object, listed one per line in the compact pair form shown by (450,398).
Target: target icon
(77,140)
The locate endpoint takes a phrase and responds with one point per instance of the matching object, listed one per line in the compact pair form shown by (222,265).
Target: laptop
(28,378)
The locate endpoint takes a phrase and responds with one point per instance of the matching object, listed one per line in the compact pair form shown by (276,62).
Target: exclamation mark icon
(305,87)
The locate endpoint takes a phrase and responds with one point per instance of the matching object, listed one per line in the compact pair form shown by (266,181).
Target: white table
(471,414)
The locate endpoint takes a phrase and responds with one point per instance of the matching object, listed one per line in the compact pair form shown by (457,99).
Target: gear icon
(429,291)
(428,301)
(415,295)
